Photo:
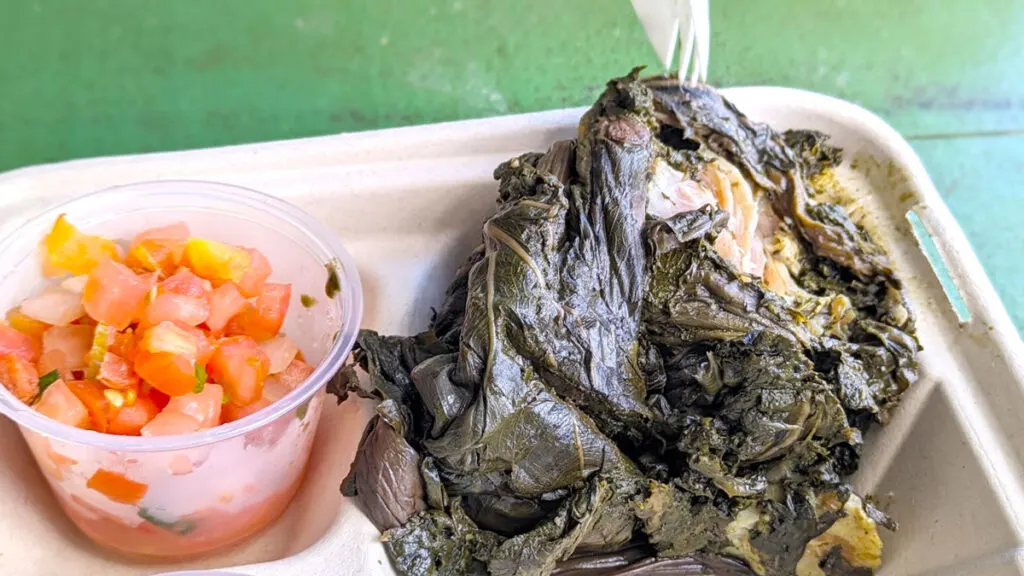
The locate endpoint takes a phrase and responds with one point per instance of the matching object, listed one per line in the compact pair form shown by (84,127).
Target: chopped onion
(281,351)
(75,284)
(56,306)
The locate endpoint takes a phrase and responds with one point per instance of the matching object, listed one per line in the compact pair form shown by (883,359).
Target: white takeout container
(409,203)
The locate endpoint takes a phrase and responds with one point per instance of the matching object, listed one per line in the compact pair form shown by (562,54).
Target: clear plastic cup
(206,490)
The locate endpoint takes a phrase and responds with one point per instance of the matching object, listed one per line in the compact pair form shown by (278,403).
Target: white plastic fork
(682,23)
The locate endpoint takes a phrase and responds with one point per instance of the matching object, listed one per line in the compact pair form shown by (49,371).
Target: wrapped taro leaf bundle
(661,360)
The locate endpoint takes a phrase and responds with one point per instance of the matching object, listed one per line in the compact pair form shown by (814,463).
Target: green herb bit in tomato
(307,301)
(179,527)
(201,379)
(44,382)
(333,285)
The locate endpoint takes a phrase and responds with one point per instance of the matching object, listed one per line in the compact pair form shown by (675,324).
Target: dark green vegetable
(46,379)
(307,301)
(44,382)
(603,392)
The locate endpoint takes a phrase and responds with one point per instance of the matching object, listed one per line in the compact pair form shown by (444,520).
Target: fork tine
(701,17)
(661,23)
(694,39)
(683,22)
(686,38)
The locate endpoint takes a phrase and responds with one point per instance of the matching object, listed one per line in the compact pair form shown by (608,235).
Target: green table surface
(89,78)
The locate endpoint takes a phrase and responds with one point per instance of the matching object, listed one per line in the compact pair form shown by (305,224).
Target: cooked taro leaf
(694,295)
(696,565)
(441,396)
(602,563)
(386,460)
(435,543)
(538,551)
(814,153)
(637,561)
(675,525)
(447,322)
(602,393)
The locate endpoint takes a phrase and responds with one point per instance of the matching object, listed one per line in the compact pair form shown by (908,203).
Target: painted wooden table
(82,79)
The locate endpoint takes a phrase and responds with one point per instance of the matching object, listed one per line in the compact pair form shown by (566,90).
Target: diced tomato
(117,373)
(117,487)
(55,360)
(186,283)
(158,249)
(167,356)
(90,392)
(124,344)
(281,351)
(241,367)
(218,263)
(172,374)
(66,249)
(274,389)
(204,407)
(29,327)
(115,295)
(48,269)
(60,404)
(72,341)
(251,284)
(232,411)
(85,321)
(178,338)
(295,374)
(169,423)
(263,318)
(206,345)
(26,324)
(122,378)
(171,307)
(151,256)
(225,302)
(55,306)
(159,398)
(174,232)
(19,376)
(277,386)
(170,338)
(14,342)
(130,420)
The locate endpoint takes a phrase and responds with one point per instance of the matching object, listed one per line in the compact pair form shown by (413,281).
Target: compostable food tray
(408,204)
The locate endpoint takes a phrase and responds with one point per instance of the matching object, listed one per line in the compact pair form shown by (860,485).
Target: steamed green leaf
(624,378)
